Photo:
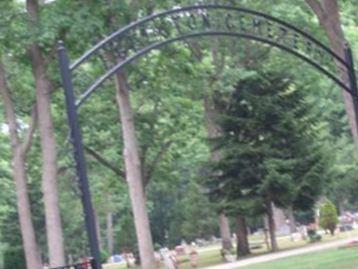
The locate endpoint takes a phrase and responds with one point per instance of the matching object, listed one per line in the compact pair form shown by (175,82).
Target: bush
(14,258)
(157,247)
(104,256)
(313,236)
(328,217)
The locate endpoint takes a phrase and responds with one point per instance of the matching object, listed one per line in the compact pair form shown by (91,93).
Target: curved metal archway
(155,31)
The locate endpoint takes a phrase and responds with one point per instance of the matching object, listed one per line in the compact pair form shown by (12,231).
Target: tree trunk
(49,163)
(332,229)
(292,220)
(133,166)
(225,232)
(48,149)
(342,202)
(242,248)
(214,131)
(327,12)
(110,234)
(266,237)
(32,253)
(271,226)
(98,228)
(134,175)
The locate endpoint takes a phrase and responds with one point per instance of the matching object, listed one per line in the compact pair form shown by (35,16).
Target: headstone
(180,250)
(193,257)
(170,261)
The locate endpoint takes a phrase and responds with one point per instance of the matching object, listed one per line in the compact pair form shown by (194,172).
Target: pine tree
(269,151)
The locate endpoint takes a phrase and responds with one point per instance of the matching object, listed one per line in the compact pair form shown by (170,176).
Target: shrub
(104,256)
(313,236)
(14,258)
(328,217)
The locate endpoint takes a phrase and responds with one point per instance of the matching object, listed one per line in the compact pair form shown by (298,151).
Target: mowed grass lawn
(331,259)
(206,259)
(211,256)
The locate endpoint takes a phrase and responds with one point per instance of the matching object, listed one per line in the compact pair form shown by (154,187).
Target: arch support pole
(352,79)
(76,139)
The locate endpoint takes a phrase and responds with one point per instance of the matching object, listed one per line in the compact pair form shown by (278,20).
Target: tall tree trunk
(214,131)
(225,232)
(342,202)
(266,237)
(110,234)
(49,162)
(292,220)
(132,161)
(327,12)
(271,226)
(134,174)
(32,253)
(48,149)
(98,228)
(316,218)
(242,248)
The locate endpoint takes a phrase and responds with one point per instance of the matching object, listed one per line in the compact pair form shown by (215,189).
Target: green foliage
(167,92)
(314,236)
(14,258)
(104,256)
(269,149)
(125,233)
(328,216)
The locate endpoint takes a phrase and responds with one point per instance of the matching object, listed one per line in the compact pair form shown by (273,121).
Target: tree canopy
(284,139)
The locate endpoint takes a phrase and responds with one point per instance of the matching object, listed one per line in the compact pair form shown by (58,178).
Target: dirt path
(283,254)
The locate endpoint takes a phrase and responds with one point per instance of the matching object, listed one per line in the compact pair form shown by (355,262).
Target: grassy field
(210,256)
(206,258)
(332,259)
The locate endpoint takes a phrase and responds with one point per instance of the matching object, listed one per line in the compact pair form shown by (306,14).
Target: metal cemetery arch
(155,31)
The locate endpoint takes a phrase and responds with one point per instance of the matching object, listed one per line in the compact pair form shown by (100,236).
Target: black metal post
(76,138)
(352,79)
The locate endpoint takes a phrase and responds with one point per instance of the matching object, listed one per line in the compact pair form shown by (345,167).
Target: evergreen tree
(269,154)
